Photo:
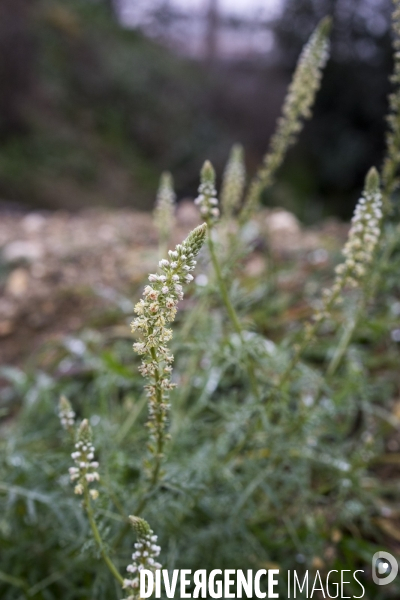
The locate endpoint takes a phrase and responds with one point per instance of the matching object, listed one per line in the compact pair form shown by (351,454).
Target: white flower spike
(144,557)
(85,470)
(154,311)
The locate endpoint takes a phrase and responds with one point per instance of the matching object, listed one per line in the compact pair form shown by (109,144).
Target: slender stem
(130,420)
(341,349)
(309,332)
(307,337)
(221,283)
(350,329)
(16,581)
(96,534)
(231,311)
(138,511)
(160,430)
(163,246)
(352,325)
(158,450)
(115,500)
(193,317)
(160,442)
(343,343)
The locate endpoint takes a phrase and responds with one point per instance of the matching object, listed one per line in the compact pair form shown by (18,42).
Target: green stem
(221,283)
(352,325)
(137,512)
(160,431)
(96,534)
(15,581)
(131,420)
(158,457)
(116,501)
(193,317)
(159,444)
(163,246)
(344,343)
(231,311)
(297,355)
(350,329)
(308,336)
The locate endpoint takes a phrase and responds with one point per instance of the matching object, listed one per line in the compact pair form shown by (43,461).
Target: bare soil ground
(60,271)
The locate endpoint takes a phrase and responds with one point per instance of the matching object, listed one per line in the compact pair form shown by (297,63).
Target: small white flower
(84,469)
(207,198)
(65,413)
(360,247)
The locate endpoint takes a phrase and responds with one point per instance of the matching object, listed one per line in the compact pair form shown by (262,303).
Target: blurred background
(97,97)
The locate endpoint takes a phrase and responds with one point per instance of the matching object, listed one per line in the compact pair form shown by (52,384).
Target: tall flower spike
(155,310)
(164,209)
(207,198)
(233,181)
(144,557)
(296,108)
(85,470)
(359,252)
(66,414)
(390,170)
(361,244)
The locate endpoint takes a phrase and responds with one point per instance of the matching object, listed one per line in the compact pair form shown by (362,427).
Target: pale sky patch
(134,10)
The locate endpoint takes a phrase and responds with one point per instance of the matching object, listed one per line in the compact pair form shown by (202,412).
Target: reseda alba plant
(155,311)
(296,108)
(245,448)
(359,252)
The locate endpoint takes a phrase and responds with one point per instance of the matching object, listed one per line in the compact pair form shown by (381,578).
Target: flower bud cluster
(233,181)
(306,82)
(361,244)
(207,199)
(85,470)
(155,310)
(297,107)
(165,206)
(66,414)
(144,557)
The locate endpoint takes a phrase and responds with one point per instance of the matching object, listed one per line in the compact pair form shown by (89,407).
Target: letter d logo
(384,564)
